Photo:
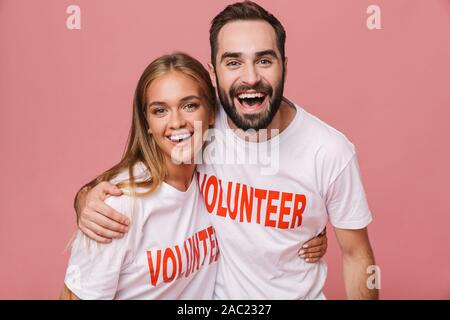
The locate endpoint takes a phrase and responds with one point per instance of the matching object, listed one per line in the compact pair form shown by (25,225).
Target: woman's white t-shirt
(170,251)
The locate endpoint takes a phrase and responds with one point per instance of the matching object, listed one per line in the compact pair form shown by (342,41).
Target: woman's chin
(182,155)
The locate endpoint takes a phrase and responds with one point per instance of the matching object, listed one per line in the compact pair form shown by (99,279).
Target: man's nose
(250,75)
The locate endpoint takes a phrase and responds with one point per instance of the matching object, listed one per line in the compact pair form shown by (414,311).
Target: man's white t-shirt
(170,251)
(262,220)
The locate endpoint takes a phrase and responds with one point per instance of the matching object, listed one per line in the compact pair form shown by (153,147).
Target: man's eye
(191,106)
(265,61)
(232,64)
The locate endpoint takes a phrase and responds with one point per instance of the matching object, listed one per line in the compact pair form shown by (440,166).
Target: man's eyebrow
(230,55)
(268,52)
(259,54)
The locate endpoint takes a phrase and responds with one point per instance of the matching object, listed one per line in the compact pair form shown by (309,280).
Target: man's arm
(102,223)
(97,220)
(357,256)
(80,200)
(66,294)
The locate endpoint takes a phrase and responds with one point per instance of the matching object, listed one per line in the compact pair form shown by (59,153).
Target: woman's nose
(177,120)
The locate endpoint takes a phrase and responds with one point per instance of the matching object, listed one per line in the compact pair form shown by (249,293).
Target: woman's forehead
(173,86)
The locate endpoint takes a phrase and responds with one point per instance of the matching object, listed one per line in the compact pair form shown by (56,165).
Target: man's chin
(251,121)
(257,119)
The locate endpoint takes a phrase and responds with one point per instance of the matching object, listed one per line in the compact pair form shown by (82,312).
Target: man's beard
(252,121)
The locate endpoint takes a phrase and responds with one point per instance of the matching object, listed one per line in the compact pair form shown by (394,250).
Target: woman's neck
(179,175)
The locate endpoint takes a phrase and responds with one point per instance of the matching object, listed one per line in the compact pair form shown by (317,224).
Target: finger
(324,232)
(312,256)
(91,235)
(113,190)
(312,249)
(110,189)
(107,211)
(314,242)
(105,222)
(312,260)
(102,232)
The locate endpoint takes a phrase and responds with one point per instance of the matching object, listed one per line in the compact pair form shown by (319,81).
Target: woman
(175,258)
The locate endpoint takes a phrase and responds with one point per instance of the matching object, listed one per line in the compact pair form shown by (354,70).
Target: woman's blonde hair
(141,146)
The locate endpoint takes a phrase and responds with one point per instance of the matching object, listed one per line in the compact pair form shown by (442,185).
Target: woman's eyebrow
(189,98)
(156,103)
(161,103)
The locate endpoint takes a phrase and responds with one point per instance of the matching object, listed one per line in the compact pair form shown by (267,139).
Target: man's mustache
(260,87)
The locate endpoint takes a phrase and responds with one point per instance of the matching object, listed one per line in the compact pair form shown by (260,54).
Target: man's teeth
(179,137)
(250,95)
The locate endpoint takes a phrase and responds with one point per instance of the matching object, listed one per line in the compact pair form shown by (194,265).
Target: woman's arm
(66,294)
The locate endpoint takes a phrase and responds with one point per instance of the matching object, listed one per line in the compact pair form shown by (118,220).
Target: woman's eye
(191,106)
(158,111)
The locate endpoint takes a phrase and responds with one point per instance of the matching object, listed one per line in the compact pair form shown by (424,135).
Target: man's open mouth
(251,101)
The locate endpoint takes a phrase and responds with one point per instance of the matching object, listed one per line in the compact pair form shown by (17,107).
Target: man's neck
(284,116)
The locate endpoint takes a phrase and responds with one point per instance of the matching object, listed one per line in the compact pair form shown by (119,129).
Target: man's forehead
(246,37)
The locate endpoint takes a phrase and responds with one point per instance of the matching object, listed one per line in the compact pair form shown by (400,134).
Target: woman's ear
(212,74)
(212,118)
(149,131)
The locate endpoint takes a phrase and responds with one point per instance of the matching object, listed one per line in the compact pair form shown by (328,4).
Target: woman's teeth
(180,137)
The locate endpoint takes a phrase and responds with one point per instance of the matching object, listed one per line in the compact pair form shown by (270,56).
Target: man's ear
(212,74)
(285,68)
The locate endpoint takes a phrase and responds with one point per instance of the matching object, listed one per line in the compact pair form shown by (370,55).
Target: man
(262,217)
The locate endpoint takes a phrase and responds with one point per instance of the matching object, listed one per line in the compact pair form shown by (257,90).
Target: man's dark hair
(246,10)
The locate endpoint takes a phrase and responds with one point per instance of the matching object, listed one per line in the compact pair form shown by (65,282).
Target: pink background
(65,105)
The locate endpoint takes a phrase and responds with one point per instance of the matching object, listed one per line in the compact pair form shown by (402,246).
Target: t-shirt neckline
(174,192)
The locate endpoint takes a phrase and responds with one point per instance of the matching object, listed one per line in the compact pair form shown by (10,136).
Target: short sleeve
(346,201)
(94,269)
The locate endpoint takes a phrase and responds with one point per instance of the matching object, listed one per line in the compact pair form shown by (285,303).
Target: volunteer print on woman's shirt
(170,251)
(262,220)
